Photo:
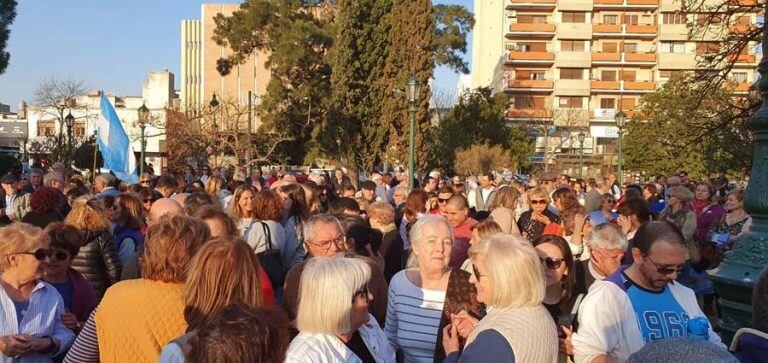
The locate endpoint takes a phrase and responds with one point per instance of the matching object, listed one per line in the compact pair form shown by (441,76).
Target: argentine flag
(114,144)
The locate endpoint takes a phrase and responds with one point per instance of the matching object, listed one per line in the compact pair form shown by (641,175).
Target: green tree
(679,127)
(7,14)
(476,118)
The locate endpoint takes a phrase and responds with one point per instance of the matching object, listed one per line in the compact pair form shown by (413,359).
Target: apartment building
(572,64)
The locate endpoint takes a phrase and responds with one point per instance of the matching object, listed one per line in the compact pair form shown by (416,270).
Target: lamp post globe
(412,91)
(143,112)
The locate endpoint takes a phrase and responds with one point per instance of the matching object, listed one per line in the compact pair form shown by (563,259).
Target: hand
(450,339)
(624,223)
(464,323)
(35,344)
(566,345)
(13,345)
(578,223)
(70,321)
(541,218)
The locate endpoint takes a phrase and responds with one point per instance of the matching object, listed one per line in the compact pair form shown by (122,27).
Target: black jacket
(98,261)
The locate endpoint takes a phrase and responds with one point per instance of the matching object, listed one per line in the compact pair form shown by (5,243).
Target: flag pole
(95,151)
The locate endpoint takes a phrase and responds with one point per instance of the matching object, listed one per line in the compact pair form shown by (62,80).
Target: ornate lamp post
(70,121)
(581,153)
(412,91)
(143,120)
(621,119)
(736,275)
(214,104)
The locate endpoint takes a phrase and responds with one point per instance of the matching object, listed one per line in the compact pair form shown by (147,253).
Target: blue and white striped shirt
(413,318)
(42,319)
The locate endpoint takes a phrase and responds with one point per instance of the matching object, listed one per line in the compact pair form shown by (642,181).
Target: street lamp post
(621,119)
(70,121)
(581,153)
(412,89)
(214,104)
(143,120)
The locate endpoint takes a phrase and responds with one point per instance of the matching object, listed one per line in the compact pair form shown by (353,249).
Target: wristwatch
(51,346)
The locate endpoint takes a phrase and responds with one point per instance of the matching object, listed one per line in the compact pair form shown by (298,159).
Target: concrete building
(157,93)
(572,64)
(199,55)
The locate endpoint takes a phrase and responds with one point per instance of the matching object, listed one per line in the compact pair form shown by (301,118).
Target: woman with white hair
(422,299)
(517,328)
(333,318)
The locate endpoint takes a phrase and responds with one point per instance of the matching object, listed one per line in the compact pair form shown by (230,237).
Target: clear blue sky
(110,45)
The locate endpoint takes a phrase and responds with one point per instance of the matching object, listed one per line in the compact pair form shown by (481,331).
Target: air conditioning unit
(511,46)
(647,13)
(512,13)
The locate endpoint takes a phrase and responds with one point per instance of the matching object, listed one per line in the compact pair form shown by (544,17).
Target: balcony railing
(643,2)
(529,113)
(640,57)
(530,83)
(607,85)
(623,86)
(742,2)
(531,56)
(606,28)
(532,27)
(740,29)
(609,2)
(742,58)
(608,57)
(639,86)
(642,29)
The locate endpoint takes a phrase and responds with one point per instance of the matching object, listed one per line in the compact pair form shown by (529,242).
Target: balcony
(607,29)
(539,58)
(639,86)
(739,87)
(740,29)
(742,58)
(677,61)
(566,59)
(572,87)
(650,30)
(639,59)
(529,85)
(574,5)
(531,30)
(673,32)
(531,4)
(527,113)
(605,85)
(625,4)
(742,3)
(606,57)
(574,31)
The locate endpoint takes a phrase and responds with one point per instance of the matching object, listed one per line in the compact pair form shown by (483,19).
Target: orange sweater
(137,318)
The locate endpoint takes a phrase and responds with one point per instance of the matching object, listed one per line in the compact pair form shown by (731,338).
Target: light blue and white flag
(114,144)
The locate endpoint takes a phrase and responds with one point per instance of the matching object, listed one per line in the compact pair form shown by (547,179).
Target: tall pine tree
(7,14)
(410,53)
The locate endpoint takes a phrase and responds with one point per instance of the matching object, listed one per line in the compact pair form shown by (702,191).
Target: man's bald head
(458,201)
(164,207)
(180,197)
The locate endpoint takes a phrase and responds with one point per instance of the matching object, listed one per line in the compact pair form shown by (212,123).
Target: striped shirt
(86,347)
(42,318)
(413,318)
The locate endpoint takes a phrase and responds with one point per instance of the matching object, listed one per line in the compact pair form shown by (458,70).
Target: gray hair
(682,350)
(51,177)
(106,178)
(419,230)
(311,225)
(608,237)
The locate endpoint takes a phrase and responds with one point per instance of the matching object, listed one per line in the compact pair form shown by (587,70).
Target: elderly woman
(223,272)
(138,317)
(533,221)
(31,328)
(421,299)
(382,218)
(503,208)
(333,320)
(734,222)
(510,280)
(77,293)
(679,212)
(97,260)
(604,214)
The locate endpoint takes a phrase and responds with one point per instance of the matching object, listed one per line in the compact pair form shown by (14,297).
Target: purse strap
(267,235)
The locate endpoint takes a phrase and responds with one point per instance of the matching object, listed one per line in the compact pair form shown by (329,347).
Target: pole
(69,145)
(411,152)
(248,138)
(581,159)
(95,152)
(143,146)
(618,161)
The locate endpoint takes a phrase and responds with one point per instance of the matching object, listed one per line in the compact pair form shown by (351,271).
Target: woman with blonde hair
(128,217)
(31,328)
(509,278)
(98,260)
(333,319)
(223,272)
(213,187)
(479,231)
(538,217)
(138,317)
(503,209)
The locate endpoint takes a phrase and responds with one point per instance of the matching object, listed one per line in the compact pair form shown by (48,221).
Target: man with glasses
(641,303)
(324,237)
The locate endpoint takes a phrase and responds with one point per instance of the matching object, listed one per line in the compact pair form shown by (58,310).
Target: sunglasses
(552,263)
(149,200)
(664,270)
(478,275)
(442,201)
(40,254)
(363,293)
(539,201)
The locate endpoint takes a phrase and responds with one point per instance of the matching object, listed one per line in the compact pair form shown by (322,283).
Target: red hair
(45,200)
(267,206)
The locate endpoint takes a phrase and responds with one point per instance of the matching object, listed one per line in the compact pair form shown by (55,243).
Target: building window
(673,18)
(46,128)
(574,17)
(673,47)
(608,76)
(610,47)
(608,103)
(628,103)
(571,73)
(529,102)
(739,77)
(630,47)
(572,45)
(610,19)
(743,20)
(531,47)
(707,47)
(631,19)
(529,74)
(532,19)
(571,102)
(669,74)
(79,130)
(629,76)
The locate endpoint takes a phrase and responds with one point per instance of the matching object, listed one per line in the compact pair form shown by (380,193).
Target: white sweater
(327,348)
(608,324)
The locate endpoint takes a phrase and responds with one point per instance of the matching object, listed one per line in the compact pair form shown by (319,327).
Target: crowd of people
(233,265)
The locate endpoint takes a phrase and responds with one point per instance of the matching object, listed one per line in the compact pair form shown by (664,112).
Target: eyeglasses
(611,201)
(539,201)
(478,275)
(664,270)
(40,254)
(442,201)
(326,245)
(552,263)
(148,200)
(363,293)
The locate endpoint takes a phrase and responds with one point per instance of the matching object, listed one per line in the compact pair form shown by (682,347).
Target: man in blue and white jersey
(640,303)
